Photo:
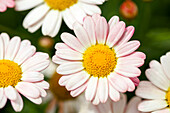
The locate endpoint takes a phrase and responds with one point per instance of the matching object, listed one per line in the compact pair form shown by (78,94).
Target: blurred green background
(152,28)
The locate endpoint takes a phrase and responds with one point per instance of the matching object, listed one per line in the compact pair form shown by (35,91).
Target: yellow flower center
(99,60)
(10,73)
(60,4)
(168,97)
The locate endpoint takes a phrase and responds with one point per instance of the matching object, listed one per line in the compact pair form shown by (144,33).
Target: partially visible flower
(6,3)
(101,61)
(49,13)
(156,92)
(59,96)
(129,9)
(114,107)
(20,67)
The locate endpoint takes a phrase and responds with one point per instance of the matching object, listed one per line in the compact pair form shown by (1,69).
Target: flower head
(49,13)
(100,61)
(6,3)
(157,90)
(114,107)
(20,67)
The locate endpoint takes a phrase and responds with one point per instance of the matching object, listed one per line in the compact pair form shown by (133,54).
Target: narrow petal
(32,76)
(69,68)
(137,55)
(117,82)
(43,84)
(28,89)
(89,26)
(31,19)
(61,46)
(101,30)
(77,80)
(103,89)
(128,70)
(113,21)
(152,105)
(3,101)
(96,17)
(20,4)
(81,34)
(17,104)
(10,93)
(96,99)
(119,107)
(115,34)
(64,79)
(148,91)
(1,93)
(59,60)
(157,78)
(166,110)
(73,42)
(12,48)
(165,61)
(35,100)
(2,49)
(92,1)
(33,28)
(127,48)
(130,84)
(5,38)
(69,54)
(129,31)
(79,90)
(78,12)
(113,93)
(91,88)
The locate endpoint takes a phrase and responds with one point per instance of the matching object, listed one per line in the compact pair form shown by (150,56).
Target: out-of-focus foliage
(152,28)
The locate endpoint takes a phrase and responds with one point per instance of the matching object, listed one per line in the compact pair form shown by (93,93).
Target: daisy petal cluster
(6,3)
(20,67)
(114,107)
(49,13)
(156,92)
(101,61)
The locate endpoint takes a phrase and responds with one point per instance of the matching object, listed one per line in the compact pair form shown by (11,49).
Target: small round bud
(46,42)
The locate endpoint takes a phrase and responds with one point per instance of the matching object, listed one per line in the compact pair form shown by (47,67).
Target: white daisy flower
(49,13)
(101,61)
(157,90)
(114,107)
(20,67)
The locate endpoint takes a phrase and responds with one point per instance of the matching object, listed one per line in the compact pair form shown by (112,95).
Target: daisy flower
(20,67)
(49,13)
(6,3)
(114,107)
(157,90)
(100,61)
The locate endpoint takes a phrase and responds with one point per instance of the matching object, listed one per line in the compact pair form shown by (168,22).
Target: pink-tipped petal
(135,80)
(103,89)
(10,3)
(69,68)
(28,89)
(113,93)
(137,55)
(101,30)
(81,34)
(113,21)
(89,26)
(3,7)
(17,104)
(91,88)
(64,79)
(73,42)
(77,80)
(127,48)
(115,34)
(96,17)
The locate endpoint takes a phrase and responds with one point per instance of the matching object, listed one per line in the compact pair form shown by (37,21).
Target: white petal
(149,91)
(59,60)
(20,4)
(165,61)
(113,93)
(31,19)
(91,88)
(103,89)
(3,101)
(2,49)
(152,105)
(92,1)
(18,103)
(13,48)
(28,89)
(32,76)
(81,34)
(51,22)
(166,110)
(10,93)
(69,68)
(113,21)
(78,12)
(5,37)
(73,42)
(43,84)
(35,26)
(1,93)
(77,80)
(132,106)
(69,54)
(36,100)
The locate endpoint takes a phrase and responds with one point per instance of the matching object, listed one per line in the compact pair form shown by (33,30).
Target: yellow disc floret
(99,60)
(60,4)
(10,73)
(168,96)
